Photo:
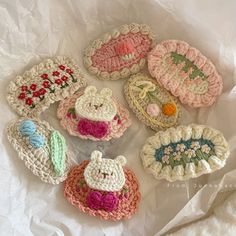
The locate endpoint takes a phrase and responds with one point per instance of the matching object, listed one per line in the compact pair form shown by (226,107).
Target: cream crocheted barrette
(50,81)
(42,149)
(184,152)
(119,53)
(152,104)
(92,115)
(103,187)
(185,72)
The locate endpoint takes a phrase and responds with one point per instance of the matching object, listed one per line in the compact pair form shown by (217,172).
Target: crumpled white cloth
(31,30)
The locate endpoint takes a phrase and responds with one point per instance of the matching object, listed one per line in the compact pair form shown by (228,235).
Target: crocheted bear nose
(125,50)
(105,175)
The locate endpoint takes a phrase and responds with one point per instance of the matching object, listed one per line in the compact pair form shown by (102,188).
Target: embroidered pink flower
(110,202)
(85,127)
(44,76)
(100,129)
(94,200)
(24,88)
(153,109)
(69,71)
(46,84)
(55,73)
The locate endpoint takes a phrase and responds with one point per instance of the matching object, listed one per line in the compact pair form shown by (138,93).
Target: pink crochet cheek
(109,57)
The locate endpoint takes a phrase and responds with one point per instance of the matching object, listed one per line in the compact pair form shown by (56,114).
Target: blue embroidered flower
(37,140)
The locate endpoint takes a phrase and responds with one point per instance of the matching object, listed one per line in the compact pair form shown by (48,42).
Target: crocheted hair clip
(50,81)
(103,187)
(93,115)
(185,72)
(119,53)
(42,149)
(185,152)
(152,104)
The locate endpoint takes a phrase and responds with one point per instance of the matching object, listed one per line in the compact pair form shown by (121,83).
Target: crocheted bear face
(105,174)
(96,106)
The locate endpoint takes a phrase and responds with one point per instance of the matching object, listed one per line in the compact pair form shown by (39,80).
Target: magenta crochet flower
(94,200)
(110,202)
(107,202)
(100,129)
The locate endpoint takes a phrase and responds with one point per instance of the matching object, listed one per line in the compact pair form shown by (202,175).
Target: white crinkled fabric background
(32,30)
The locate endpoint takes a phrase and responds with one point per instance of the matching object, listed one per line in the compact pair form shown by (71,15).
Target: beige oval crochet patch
(50,81)
(39,155)
(152,104)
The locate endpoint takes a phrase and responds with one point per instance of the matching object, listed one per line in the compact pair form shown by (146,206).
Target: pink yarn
(97,129)
(107,58)
(153,109)
(158,57)
(94,200)
(124,48)
(110,202)
(107,201)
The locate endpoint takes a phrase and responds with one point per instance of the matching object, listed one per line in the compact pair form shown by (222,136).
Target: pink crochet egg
(120,53)
(113,206)
(185,72)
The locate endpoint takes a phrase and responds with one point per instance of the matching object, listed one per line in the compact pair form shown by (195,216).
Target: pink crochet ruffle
(161,67)
(77,193)
(116,127)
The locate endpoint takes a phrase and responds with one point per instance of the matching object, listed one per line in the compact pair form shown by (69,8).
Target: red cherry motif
(58,81)
(55,73)
(22,96)
(33,87)
(69,71)
(24,88)
(62,67)
(46,84)
(29,101)
(64,78)
(42,91)
(44,76)
(36,94)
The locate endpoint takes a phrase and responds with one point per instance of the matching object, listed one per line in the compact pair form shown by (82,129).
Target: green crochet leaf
(58,152)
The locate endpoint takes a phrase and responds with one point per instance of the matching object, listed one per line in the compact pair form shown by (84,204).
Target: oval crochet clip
(185,72)
(103,187)
(42,149)
(184,152)
(119,53)
(94,115)
(50,81)
(152,104)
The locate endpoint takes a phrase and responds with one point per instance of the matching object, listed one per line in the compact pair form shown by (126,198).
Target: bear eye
(101,105)
(111,173)
(99,171)
(90,104)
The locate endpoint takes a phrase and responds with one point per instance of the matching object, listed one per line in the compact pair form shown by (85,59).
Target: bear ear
(90,90)
(96,156)
(106,92)
(121,160)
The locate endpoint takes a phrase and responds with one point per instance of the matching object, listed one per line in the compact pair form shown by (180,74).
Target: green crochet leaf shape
(58,152)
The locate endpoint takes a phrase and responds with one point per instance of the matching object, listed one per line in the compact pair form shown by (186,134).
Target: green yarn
(178,58)
(58,152)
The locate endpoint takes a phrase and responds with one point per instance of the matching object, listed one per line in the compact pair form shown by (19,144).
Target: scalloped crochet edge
(97,44)
(154,167)
(156,70)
